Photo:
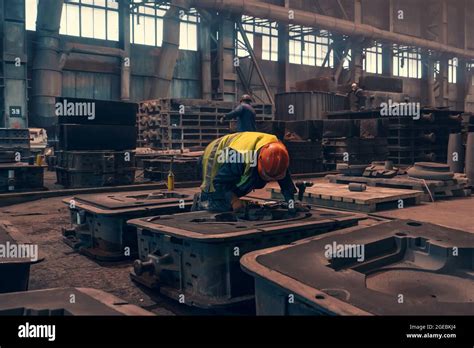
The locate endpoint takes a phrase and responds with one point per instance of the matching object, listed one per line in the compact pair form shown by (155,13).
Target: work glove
(237,204)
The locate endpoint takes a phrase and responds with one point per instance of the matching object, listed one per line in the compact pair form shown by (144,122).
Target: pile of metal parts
(436,180)
(425,139)
(400,267)
(353,142)
(96,150)
(16,172)
(99,221)
(412,139)
(184,123)
(194,257)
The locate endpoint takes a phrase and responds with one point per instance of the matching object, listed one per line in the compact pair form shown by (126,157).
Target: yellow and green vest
(241,142)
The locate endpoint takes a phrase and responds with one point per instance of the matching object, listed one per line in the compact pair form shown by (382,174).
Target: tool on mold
(301,186)
(171,176)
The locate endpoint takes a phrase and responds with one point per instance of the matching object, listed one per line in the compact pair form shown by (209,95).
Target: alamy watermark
(79,109)
(400,109)
(229,155)
(20,251)
(347,251)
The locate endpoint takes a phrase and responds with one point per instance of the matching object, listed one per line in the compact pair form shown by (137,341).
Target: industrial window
(373,59)
(146,26)
(31,8)
(310,47)
(188,31)
(407,63)
(269,33)
(452,70)
(96,19)
(436,69)
(347,60)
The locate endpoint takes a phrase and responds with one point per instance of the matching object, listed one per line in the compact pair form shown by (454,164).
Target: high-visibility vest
(241,142)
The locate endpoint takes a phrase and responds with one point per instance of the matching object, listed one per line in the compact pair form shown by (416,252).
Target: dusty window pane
(31,7)
(112,25)
(100,3)
(150,33)
(71,20)
(99,24)
(159,32)
(139,31)
(87,24)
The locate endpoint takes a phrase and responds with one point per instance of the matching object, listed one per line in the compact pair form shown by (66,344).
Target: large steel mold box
(57,302)
(194,257)
(15,177)
(99,221)
(16,257)
(408,268)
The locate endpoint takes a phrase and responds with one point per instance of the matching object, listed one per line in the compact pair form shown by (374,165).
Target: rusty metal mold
(56,302)
(408,268)
(15,268)
(194,257)
(20,177)
(99,229)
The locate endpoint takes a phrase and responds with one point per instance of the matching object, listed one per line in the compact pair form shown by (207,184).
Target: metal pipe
(47,70)
(281,14)
(205,49)
(169,50)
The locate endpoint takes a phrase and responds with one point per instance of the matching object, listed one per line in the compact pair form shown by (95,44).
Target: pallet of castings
(433,189)
(371,200)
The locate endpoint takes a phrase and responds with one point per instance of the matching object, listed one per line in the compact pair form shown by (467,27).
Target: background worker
(356,98)
(245,115)
(224,182)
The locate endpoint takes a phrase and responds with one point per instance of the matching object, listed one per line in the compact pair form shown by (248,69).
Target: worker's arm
(225,184)
(234,114)
(287,187)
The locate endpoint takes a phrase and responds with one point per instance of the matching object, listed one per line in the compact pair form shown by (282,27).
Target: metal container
(307,105)
(17,177)
(194,257)
(95,168)
(407,268)
(15,261)
(56,302)
(99,221)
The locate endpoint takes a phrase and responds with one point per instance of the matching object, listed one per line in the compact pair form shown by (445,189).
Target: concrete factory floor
(41,221)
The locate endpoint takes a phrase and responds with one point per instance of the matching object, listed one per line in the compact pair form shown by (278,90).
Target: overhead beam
(281,14)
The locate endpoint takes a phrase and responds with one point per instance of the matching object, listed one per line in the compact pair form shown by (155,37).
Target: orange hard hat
(273,161)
